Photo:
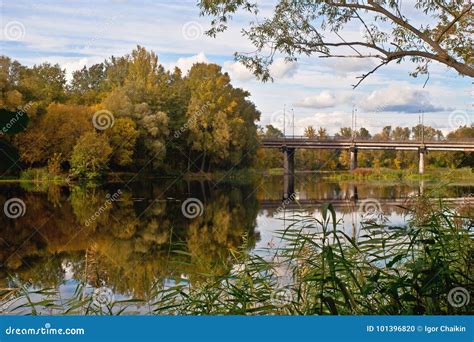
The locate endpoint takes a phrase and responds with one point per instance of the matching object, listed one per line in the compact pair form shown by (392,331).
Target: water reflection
(142,235)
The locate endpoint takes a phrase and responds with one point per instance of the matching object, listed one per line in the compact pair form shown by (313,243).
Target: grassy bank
(247,175)
(447,175)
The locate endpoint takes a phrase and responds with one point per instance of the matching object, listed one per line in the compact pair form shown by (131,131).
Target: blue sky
(76,33)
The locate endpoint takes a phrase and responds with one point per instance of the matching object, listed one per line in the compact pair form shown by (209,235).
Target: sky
(318,91)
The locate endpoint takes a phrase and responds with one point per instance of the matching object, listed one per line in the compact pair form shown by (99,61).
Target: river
(128,236)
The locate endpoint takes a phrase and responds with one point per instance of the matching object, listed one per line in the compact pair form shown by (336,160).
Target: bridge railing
(358,139)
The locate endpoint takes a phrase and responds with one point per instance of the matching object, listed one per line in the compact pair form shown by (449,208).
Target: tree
(389,35)
(309,132)
(273,132)
(122,138)
(153,128)
(87,84)
(90,155)
(43,83)
(56,131)
(209,110)
(118,103)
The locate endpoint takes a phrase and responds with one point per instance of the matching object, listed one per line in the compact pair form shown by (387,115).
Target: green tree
(88,84)
(90,155)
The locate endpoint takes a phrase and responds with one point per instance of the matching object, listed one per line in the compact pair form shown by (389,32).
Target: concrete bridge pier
(421,161)
(353,152)
(289,172)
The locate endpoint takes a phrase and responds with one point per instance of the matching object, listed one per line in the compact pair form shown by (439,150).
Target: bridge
(289,144)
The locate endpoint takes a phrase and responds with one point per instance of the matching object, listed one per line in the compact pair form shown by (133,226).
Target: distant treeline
(128,114)
(307,159)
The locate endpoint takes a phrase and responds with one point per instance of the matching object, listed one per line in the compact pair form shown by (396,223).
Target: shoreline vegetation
(41,175)
(131,115)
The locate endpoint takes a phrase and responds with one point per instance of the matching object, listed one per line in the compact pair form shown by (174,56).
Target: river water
(128,236)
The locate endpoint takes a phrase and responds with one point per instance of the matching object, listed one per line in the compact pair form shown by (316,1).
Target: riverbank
(247,175)
(385,174)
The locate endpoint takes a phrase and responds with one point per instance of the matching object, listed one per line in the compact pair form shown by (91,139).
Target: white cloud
(185,63)
(325,99)
(238,71)
(348,65)
(281,68)
(403,99)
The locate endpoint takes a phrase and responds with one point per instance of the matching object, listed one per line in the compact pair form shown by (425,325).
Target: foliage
(90,155)
(122,137)
(388,34)
(157,114)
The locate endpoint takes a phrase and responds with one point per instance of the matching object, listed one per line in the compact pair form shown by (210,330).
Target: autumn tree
(56,131)
(122,137)
(90,155)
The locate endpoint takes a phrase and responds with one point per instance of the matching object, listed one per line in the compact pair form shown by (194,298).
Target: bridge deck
(333,143)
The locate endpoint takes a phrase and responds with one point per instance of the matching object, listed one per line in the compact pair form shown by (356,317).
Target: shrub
(90,155)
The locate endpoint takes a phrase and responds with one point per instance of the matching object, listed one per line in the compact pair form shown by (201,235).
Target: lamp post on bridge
(422,148)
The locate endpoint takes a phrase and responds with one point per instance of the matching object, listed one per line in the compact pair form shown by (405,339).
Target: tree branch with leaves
(438,30)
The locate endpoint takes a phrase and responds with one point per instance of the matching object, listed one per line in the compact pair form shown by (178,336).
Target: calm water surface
(127,237)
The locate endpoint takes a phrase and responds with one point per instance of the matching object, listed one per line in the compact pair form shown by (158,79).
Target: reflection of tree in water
(129,246)
(227,217)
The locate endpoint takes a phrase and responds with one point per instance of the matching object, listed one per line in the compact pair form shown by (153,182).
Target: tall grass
(318,270)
